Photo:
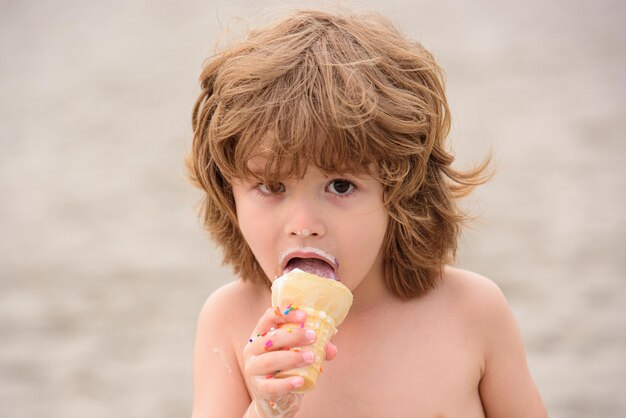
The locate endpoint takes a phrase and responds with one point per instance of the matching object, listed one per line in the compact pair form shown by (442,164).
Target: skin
(453,352)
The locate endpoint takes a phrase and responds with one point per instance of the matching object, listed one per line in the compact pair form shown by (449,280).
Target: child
(322,137)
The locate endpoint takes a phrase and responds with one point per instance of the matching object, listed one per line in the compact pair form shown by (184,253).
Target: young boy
(322,137)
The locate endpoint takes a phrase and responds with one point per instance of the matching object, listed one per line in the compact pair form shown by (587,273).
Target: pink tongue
(313,266)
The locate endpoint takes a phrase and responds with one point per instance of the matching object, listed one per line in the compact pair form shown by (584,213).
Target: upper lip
(306,252)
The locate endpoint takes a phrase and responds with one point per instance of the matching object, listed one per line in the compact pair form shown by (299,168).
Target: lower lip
(325,274)
(310,252)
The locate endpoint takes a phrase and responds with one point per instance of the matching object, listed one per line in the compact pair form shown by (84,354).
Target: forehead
(272,166)
(276,156)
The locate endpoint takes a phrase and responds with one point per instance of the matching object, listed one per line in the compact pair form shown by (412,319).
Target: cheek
(248,221)
(252,229)
(367,235)
(259,232)
(377,232)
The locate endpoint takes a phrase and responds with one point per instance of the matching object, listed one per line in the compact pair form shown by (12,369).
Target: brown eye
(268,189)
(341,187)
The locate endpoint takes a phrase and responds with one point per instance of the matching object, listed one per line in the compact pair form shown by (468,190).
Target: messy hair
(347,94)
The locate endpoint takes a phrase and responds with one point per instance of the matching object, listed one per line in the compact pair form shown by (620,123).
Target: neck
(371,295)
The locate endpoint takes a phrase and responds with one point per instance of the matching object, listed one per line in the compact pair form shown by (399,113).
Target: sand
(103,263)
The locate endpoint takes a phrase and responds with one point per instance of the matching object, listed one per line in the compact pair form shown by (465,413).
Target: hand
(269,351)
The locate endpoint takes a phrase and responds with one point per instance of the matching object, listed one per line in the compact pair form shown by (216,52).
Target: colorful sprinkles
(272,331)
(289,309)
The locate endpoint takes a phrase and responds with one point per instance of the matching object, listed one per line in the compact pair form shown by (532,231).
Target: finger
(275,317)
(289,335)
(270,363)
(331,351)
(270,387)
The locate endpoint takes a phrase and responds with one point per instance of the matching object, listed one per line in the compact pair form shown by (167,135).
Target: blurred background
(104,265)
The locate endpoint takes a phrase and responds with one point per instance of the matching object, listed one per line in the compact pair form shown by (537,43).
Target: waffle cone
(326,303)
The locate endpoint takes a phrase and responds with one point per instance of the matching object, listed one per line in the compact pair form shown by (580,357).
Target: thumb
(331,351)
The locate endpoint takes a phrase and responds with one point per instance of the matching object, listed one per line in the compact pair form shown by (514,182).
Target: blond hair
(346,94)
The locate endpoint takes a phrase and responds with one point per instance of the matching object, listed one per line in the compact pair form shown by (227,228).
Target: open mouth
(312,261)
(312,265)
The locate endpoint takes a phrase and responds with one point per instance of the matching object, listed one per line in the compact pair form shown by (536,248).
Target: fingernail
(310,335)
(299,316)
(308,356)
(297,382)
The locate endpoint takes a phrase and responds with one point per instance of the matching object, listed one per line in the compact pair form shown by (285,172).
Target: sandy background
(103,264)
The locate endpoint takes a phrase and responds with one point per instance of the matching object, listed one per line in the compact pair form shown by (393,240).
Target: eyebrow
(254,167)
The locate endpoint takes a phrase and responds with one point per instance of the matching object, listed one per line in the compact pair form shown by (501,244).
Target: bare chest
(428,368)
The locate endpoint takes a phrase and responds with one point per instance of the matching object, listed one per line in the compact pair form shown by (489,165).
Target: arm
(506,388)
(218,385)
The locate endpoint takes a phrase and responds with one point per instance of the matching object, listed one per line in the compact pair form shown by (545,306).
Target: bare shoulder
(506,388)
(481,302)
(231,310)
(465,283)
(479,298)
(232,296)
(226,315)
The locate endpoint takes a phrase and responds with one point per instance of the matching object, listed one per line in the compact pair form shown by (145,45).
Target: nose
(304,218)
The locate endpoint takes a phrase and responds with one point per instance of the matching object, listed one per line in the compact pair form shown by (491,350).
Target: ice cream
(326,303)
